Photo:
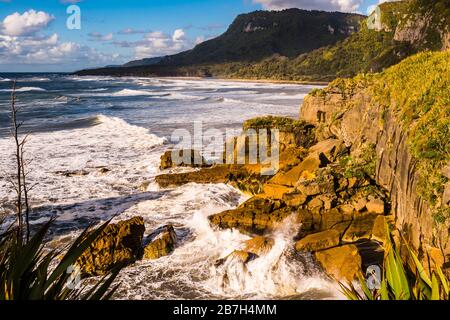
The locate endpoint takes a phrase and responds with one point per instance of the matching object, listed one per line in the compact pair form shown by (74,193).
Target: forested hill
(261,34)
(308,45)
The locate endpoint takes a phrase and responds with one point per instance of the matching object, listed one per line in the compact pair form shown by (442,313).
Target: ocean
(80,126)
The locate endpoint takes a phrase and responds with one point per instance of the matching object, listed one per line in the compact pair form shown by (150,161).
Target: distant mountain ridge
(261,34)
(308,46)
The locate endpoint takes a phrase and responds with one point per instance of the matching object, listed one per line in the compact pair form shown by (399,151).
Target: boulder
(255,216)
(342,227)
(379,230)
(242,256)
(182,158)
(323,184)
(119,244)
(259,245)
(332,217)
(318,241)
(342,263)
(375,206)
(216,174)
(303,171)
(237,255)
(330,148)
(315,204)
(361,228)
(294,199)
(360,204)
(162,243)
(276,191)
(347,209)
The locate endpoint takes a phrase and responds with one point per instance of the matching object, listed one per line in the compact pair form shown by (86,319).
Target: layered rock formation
(366,153)
(122,244)
(118,245)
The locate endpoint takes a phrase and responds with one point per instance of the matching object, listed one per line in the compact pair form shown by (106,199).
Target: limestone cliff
(408,122)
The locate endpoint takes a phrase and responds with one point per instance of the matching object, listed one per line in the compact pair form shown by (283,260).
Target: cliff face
(349,110)
(425,24)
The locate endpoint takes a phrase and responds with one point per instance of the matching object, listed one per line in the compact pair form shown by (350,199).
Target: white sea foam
(124,149)
(131,93)
(34,79)
(71,186)
(24,89)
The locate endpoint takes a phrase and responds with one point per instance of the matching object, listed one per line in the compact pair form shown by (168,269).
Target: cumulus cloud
(29,22)
(23,40)
(158,43)
(328,5)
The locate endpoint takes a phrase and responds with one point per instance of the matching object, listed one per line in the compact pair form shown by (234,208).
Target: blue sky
(34,36)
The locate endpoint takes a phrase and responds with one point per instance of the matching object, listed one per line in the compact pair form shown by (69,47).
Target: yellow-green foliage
(418,92)
(402,281)
(272,122)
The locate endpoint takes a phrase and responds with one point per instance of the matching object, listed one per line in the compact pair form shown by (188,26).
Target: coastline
(243,80)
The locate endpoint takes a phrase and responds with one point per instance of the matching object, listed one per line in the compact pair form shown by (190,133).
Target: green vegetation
(402,281)
(273,122)
(261,34)
(422,103)
(29,272)
(360,167)
(300,45)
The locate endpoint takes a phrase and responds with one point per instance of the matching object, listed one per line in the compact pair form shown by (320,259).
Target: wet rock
(162,243)
(182,158)
(255,216)
(259,245)
(318,241)
(216,174)
(73,173)
(342,263)
(118,244)
(237,255)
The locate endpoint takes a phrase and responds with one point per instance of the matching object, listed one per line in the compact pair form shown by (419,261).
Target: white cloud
(95,36)
(23,42)
(27,23)
(178,35)
(128,31)
(327,5)
(158,43)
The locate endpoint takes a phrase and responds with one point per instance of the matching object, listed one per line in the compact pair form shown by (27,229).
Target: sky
(42,36)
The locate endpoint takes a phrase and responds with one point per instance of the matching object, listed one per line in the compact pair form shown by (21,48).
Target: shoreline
(243,80)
